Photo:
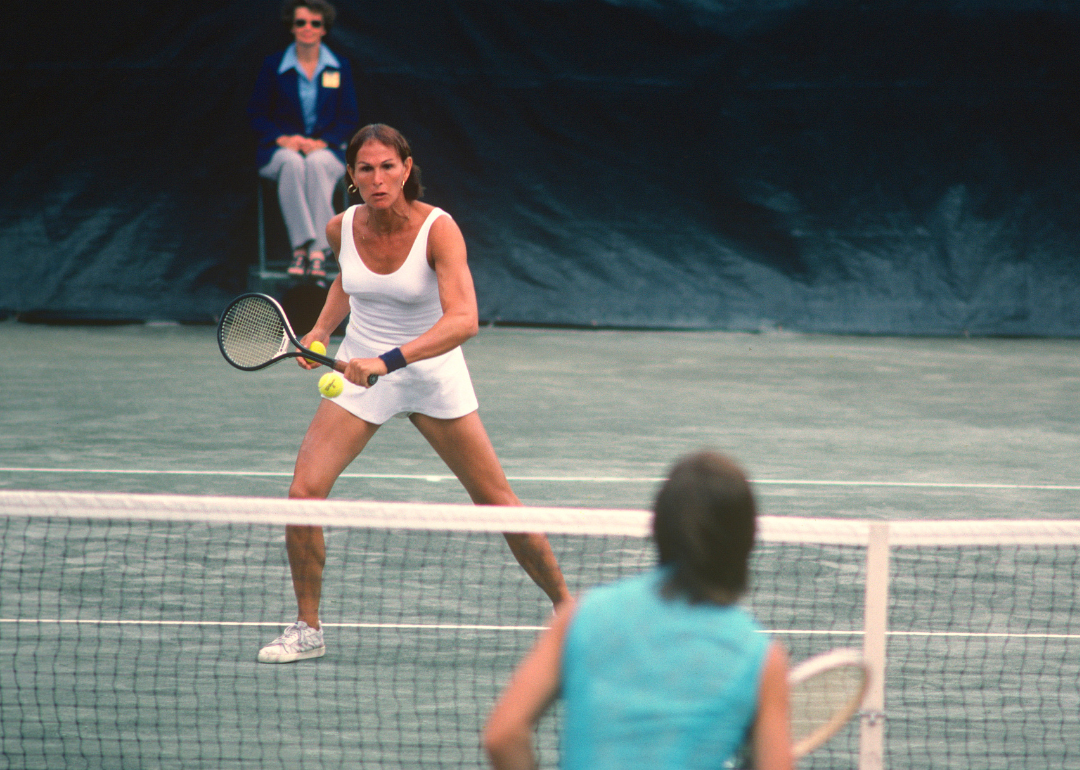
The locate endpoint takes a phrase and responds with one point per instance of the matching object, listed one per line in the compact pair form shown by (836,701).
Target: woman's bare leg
(333,440)
(464,446)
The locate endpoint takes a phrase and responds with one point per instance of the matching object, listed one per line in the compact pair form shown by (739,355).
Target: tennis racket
(825,691)
(254,332)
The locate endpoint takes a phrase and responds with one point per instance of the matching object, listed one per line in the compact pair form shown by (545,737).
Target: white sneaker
(299,642)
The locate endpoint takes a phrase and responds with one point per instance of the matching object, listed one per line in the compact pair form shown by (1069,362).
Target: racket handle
(340,365)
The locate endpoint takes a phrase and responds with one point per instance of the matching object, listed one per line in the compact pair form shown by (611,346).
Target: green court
(133,644)
(828,426)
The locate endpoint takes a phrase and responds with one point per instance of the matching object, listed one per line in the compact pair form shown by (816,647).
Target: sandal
(299,262)
(317,265)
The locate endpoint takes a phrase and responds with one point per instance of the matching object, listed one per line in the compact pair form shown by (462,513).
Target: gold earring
(353,190)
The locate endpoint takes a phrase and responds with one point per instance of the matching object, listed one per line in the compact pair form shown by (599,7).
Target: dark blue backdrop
(825,165)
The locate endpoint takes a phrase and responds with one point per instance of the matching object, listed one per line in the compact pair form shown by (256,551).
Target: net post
(875,622)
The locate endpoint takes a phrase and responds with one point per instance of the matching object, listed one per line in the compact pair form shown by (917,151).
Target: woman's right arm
(772,726)
(336,307)
(267,129)
(532,689)
(258,107)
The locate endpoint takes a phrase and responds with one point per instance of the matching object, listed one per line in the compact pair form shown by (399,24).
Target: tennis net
(129,626)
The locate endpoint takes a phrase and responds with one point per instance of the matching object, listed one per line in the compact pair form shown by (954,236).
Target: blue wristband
(393,359)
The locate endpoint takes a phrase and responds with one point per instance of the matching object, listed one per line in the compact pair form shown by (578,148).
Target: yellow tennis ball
(331,384)
(316,347)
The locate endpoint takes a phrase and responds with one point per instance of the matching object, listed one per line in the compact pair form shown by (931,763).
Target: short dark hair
(391,137)
(704,524)
(321,7)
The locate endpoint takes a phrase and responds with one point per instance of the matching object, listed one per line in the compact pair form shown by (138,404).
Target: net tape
(457,517)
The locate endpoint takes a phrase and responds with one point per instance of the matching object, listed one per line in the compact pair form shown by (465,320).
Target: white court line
(277,624)
(927,634)
(559,479)
(479,627)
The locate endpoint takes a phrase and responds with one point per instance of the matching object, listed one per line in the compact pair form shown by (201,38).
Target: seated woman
(304,110)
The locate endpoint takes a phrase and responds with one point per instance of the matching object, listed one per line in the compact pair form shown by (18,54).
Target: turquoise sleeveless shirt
(656,683)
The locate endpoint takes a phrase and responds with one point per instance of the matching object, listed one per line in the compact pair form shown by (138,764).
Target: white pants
(305,186)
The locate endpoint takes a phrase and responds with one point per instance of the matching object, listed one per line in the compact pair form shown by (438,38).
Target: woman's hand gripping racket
(254,332)
(825,692)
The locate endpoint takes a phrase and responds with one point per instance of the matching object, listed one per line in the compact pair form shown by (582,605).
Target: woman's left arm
(459,321)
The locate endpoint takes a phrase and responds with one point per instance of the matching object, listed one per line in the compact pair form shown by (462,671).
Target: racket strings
(819,703)
(252,332)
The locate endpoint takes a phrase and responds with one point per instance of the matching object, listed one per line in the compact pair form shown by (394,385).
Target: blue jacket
(275,109)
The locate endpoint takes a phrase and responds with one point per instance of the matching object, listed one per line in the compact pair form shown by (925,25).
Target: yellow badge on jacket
(331,79)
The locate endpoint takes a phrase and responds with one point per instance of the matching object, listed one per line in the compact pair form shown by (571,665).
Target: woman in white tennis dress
(406,289)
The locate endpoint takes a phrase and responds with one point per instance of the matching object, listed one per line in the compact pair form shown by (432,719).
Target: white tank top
(386,311)
(389,310)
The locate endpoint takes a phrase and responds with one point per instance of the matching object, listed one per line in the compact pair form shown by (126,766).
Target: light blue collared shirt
(308,88)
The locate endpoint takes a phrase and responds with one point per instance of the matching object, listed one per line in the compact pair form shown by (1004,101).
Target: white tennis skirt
(438,387)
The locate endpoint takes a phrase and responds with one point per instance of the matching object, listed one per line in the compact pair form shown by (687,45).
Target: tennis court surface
(130,617)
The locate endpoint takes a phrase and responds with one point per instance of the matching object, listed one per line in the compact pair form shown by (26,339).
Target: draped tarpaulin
(897,167)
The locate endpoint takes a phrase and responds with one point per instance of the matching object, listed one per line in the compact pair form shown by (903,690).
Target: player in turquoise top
(662,670)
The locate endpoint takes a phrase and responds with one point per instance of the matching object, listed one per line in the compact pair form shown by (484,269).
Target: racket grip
(340,365)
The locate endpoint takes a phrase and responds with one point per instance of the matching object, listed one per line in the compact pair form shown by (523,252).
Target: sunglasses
(315,23)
